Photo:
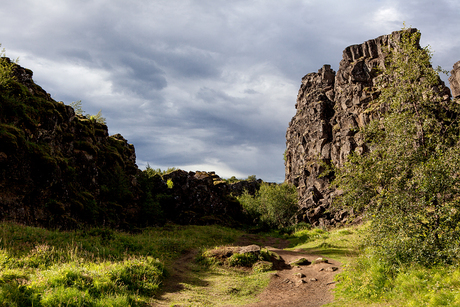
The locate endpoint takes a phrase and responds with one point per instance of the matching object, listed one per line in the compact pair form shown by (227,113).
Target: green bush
(6,68)
(76,105)
(246,259)
(272,206)
(262,266)
(150,172)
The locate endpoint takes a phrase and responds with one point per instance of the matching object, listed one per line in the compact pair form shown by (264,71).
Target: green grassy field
(97,267)
(101,267)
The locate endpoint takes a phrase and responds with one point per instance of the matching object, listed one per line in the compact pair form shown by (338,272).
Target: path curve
(286,288)
(297,286)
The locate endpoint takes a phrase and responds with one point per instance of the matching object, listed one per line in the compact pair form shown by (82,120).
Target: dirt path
(296,286)
(291,286)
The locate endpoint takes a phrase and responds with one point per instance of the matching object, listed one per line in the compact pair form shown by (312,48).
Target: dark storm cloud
(204,84)
(139,75)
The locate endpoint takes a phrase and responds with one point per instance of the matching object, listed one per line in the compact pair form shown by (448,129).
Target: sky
(205,85)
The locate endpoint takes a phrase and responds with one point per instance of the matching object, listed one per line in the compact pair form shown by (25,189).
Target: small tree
(408,183)
(272,206)
(6,67)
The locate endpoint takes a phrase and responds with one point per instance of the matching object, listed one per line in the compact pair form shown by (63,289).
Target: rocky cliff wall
(58,169)
(325,130)
(62,170)
(454,80)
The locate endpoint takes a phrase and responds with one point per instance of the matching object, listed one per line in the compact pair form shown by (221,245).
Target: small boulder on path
(300,261)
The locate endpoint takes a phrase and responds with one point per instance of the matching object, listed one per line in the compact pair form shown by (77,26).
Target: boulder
(454,80)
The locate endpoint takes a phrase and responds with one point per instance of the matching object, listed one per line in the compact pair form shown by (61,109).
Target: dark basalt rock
(325,130)
(454,80)
(62,170)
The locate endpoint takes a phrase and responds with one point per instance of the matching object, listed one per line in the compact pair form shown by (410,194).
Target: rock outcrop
(325,130)
(454,80)
(204,198)
(62,170)
(59,169)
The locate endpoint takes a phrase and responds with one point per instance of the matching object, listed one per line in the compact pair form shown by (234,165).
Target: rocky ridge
(62,170)
(325,130)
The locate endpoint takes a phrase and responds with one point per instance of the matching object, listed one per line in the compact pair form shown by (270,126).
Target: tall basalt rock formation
(454,80)
(59,169)
(325,130)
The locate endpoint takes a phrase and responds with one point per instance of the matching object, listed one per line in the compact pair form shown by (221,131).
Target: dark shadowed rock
(59,169)
(62,170)
(201,198)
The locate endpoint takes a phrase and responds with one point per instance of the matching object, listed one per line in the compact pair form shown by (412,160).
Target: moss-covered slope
(58,169)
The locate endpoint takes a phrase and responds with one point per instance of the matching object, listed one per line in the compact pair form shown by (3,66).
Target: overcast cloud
(204,84)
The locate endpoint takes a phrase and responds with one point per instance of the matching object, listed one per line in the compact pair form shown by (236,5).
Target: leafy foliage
(150,172)
(272,206)
(76,105)
(6,67)
(408,182)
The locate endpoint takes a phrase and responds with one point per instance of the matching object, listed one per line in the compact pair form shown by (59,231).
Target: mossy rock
(320,260)
(300,261)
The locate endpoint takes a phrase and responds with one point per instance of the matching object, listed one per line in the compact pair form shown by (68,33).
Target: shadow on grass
(329,250)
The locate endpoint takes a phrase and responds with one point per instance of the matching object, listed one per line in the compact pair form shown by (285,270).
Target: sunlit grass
(339,244)
(367,281)
(94,267)
(219,286)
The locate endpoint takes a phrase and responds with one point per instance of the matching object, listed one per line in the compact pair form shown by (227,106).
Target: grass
(96,267)
(217,285)
(366,281)
(103,267)
(339,244)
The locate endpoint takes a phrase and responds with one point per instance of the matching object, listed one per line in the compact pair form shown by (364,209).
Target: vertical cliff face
(58,169)
(62,170)
(454,80)
(325,130)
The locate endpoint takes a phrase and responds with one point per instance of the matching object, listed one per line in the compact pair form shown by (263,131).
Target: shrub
(76,105)
(6,68)
(248,259)
(262,266)
(150,172)
(273,205)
